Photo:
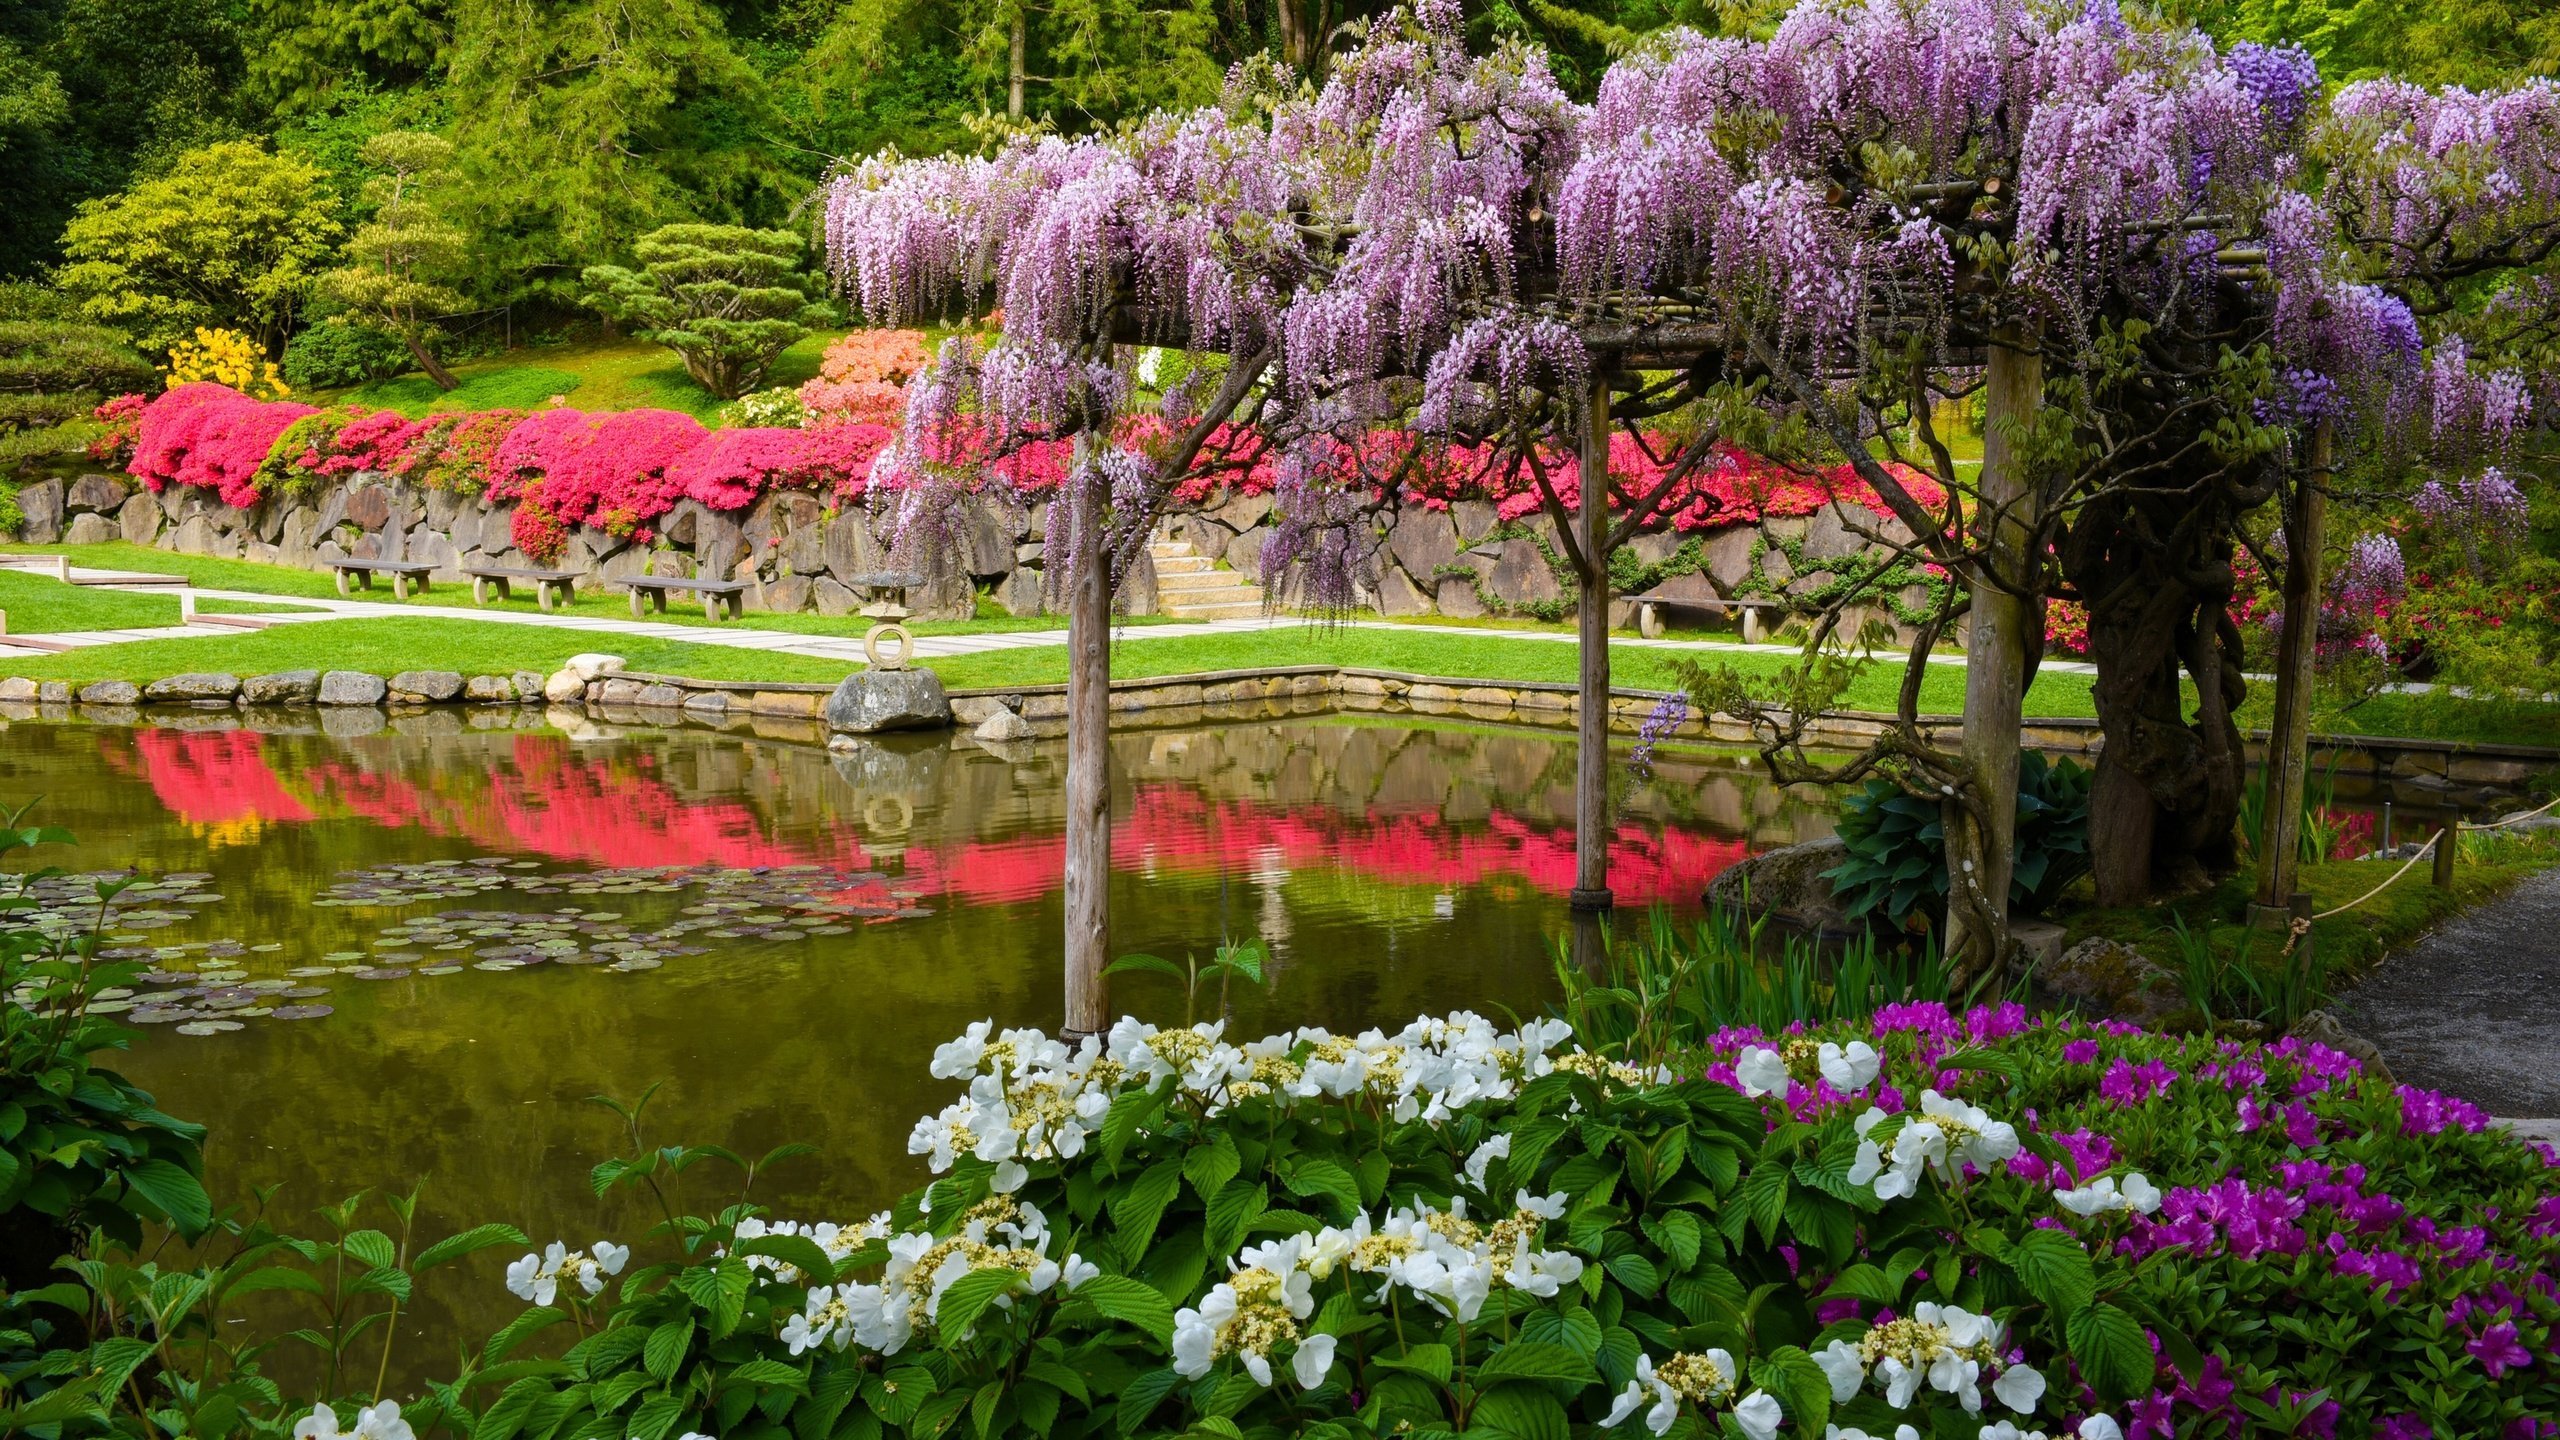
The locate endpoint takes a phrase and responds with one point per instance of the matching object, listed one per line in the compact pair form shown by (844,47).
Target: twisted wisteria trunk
(1088,860)
(1591,759)
(1981,824)
(2154,569)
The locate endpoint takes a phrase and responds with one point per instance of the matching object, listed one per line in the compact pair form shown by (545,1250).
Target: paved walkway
(2473,1009)
(847,647)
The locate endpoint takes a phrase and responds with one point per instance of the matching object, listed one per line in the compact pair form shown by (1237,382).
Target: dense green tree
(2461,42)
(232,236)
(302,53)
(400,262)
(581,124)
(54,364)
(726,298)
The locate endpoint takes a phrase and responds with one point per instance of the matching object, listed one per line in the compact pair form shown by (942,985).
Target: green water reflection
(1394,869)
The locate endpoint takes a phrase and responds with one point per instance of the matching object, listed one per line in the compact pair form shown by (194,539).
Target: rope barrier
(2423,852)
(2448,835)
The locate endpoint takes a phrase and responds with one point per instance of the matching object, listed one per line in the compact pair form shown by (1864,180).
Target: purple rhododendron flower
(2080,1052)
(2499,1350)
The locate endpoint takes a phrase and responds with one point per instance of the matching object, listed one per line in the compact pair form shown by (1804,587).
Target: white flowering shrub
(1456,1228)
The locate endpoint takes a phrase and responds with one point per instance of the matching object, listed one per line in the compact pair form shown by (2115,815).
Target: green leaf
(666,1348)
(1795,1379)
(514,1331)
(1536,1360)
(1764,1198)
(1132,1302)
(1140,1397)
(1864,1282)
(1209,1166)
(982,1406)
(1530,1412)
(1327,1178)
(2053,1267)
(815,1265)
(1635,1272)
(1137,1209)
(469,1242)
(1432,1362)
(1236,1207)
(1146,965)
(508,1413)
(1127,1115)
(372,1247)
(1678,1234)
(173,1193)
(1575,1329)
(2113,1352)
(971,1294)
(656,1416)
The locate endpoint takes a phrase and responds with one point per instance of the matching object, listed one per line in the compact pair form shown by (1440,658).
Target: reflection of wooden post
(1591,945)
(1980,857)
(2288,764)
(1591,760)
(1088,879)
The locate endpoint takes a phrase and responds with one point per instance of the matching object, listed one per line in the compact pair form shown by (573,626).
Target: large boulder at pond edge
(2110,979)
(198,686)
(352,687)
(110,692)
(426,687)
(871,701)
(285,687)
(1787,883)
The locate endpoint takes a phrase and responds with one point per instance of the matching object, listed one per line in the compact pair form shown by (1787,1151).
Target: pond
(399,958)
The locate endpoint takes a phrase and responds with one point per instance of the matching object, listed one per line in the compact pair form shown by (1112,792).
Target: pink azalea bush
(621,471)
(211,436)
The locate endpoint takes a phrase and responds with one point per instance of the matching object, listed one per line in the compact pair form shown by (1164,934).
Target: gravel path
(2474,1008)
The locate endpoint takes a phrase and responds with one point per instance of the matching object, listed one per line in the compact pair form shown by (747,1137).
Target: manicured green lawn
(1466,657)
(603,602)
(388,646)
(38,605)
(597,375)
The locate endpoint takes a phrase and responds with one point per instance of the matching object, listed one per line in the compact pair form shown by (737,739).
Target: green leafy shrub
(1897,865)
(338,352)
(82,1150)
(726,298)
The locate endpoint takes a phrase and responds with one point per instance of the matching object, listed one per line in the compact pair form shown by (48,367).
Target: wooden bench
(548,584)
(1753,613)
(402,572)
(717,595)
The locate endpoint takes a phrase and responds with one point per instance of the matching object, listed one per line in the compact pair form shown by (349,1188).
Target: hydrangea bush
(1939,1223)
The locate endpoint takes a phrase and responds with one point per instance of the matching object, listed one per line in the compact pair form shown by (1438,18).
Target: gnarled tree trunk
(2154,569)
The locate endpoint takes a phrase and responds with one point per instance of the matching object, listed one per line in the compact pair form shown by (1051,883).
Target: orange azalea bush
(863,379)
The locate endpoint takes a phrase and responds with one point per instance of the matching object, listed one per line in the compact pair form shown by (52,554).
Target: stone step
(1241,610)
(1199,580)
(1182,564)
(1170,549)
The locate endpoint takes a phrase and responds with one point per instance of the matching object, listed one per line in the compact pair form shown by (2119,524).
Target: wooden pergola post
(2286,773)
(1591,762)
(1088,878)
(1982,853)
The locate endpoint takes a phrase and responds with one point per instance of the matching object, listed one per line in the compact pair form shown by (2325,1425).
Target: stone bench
(1754,613)
(719,597)
(550,586)
(402,573)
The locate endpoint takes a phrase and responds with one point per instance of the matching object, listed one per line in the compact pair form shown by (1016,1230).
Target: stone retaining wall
(795,553)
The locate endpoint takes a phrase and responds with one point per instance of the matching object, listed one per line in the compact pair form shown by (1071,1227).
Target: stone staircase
(1189,587)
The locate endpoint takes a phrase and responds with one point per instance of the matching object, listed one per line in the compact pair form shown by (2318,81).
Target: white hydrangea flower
(2101,1196)
(1480,1160)
(1762,1071)
(537,1278)
(1849,1068)
(827,1319)
(1943,1135)
(373,1422)
(2019,1387)
(1851,1432)
(1759,1416)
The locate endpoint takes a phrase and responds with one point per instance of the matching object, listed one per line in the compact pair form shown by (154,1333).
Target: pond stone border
(596,688)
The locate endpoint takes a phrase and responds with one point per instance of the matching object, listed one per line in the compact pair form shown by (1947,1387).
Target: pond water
(399,958)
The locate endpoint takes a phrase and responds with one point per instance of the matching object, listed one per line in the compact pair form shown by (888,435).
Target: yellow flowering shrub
(226,357)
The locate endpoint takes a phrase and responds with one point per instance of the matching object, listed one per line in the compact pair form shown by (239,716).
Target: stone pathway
(2473,1009)
(847,647)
